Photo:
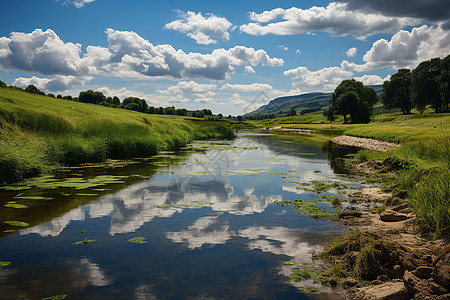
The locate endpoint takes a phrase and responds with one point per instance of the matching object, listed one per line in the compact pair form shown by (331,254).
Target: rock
(383,278)
(376,282)
(350,282)
(441,272)
(397,271)
(423,272)
(443,297)
(399,207)
(437,289)
(428,259)
(392,216)
(415,285)
(386,291)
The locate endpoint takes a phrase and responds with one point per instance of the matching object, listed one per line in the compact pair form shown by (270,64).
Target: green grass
(41,133)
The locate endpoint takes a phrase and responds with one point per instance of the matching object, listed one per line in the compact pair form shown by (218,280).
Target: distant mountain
(303,103)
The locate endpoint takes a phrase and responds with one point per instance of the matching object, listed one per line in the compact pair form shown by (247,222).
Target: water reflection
(212,225)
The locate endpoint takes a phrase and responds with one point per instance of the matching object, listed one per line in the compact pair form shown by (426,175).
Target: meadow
(424,156)
(39,133)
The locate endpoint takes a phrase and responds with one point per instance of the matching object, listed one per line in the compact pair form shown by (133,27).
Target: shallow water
(208,214)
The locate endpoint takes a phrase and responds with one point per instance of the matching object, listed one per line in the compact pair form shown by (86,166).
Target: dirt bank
(411,266)
(366,143)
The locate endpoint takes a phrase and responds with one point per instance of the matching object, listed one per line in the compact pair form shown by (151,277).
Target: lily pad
(137,240)
(83,242)
(33,198)
(4,264)
(57,297)
(17,223)
(15,205)
(10,230)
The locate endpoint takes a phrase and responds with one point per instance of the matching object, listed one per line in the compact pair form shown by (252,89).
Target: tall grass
(38,133)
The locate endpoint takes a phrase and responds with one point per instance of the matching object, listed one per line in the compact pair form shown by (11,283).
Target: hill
(40,133)
(303,103)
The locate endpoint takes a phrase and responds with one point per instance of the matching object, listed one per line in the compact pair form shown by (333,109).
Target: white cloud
(186,91)
(351,52)
(283,47)
(254,87)
(334,18)
(298,52)
(128,55)
(124,92)
(204,30)
(249,70)
(54,84)
(76,3)
(405,49)
(372,79)
(325,79)
(41,51)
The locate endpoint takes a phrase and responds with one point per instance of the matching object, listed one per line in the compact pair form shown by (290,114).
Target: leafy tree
(51,95)
(33,90)
(352,98)
(116,101)
(133,103)
(3,85)
(397,91)
(425,85)
(444,83)
(181,112)
(292,112)
(161,111)
(87,97)
(329,114)
(207,112)
(59,96)
(68,97)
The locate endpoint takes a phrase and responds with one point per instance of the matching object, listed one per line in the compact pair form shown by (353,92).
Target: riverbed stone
(385,291)
(441,272)
(415,285)
(392,216)
(423,272)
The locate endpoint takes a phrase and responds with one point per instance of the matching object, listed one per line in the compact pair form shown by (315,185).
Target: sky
(227,56)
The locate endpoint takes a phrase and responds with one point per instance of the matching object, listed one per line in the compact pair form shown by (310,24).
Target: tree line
(129,103)
(427,84)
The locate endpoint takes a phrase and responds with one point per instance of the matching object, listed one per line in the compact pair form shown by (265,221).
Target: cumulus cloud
(249,70)
(54,84)
(325,79)
(128,55)
(186,91)
(351,52)
(41,51)
(76,3)
(405,49)
(204,30)
(372,79)
(431,10)
(254,87)
(336,18)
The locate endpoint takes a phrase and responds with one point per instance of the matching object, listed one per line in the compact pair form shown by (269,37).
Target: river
(207,218)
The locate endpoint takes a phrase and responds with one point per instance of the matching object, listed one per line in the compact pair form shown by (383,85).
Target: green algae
(308,290)
(308,208)
(215,214)
(290,263)
(9,231)
(86,195)
(138,240)
(83,242)
(15,205)
(202,203)
(17,223)
(57,297)
(4,264)
(33,198)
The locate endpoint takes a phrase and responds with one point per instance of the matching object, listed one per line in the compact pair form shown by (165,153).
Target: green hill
(39,133)
(304,103)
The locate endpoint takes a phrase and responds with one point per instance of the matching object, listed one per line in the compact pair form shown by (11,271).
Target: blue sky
(229,56)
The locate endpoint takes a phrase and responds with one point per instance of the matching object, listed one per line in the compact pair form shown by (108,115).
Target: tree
(51,95)
(329,114)
(352,98)
(86,97)
(397,92)
(33,90)
(444,83)
(3,85)
(116,101)
(425,85)
(292,112)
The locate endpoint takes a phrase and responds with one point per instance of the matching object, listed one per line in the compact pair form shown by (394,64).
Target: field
(424,156)
(40,133)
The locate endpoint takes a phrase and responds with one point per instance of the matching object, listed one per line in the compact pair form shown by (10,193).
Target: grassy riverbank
(423,172)
(40,133)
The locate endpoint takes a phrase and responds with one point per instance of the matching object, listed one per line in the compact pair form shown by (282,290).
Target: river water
(208,214)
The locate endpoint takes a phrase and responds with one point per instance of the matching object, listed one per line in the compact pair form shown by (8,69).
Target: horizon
(227,58)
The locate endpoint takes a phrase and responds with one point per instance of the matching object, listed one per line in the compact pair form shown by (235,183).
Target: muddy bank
(365,143)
